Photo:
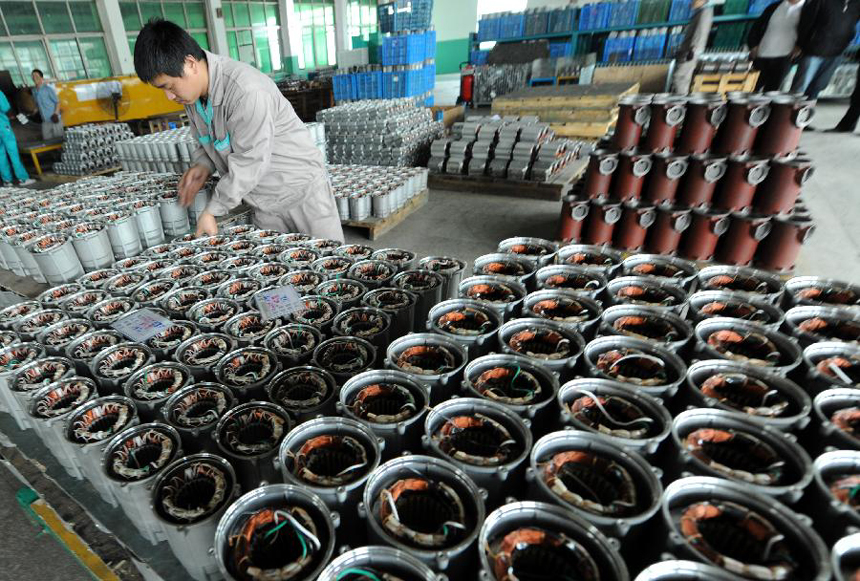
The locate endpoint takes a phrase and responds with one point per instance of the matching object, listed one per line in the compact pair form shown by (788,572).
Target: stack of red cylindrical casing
(574,210)
(740,242)
(780,249)
(700,240)
(633,166)
(738,186)
(601,221)
(666,172)
(670,222)
(636,219)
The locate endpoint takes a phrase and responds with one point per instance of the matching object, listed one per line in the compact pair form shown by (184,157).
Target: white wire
(839,373)
(300,528)
(606,413)
(390,500)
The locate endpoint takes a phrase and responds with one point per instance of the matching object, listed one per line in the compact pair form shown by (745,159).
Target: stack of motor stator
(90,148)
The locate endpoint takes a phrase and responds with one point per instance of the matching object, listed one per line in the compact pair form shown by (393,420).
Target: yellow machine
(112,99)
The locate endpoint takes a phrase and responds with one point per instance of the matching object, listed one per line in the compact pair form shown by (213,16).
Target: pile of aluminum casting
(516,419)
(513,147)
(165,151)
(391,132)
(91,223)
(362,191)
(90,148)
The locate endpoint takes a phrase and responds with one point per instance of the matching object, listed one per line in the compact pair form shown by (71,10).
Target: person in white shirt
(773,43)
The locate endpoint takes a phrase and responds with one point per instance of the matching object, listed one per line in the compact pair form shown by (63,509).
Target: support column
(288,21)
(217,30)
(341,26)
(116,38)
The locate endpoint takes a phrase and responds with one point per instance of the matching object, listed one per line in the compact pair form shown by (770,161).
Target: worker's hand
(191,182)
(55,118)
(206,225)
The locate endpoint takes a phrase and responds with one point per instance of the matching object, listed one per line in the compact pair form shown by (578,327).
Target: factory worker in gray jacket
(247,132)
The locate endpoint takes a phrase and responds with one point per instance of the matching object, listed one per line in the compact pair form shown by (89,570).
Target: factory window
(190,15)
(314,27)
(62,37)
(253,34)
(361,18)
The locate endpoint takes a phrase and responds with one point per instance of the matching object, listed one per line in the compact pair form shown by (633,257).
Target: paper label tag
(279,302)
(141,325)
(22,119)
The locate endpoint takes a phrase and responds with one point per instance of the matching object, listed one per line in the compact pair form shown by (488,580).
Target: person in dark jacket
(773,43)
(848,123)
(826,29)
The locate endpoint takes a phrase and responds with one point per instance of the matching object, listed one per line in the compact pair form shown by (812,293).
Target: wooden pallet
(583,129)
(724,82)
(552,190)
(566,96)
(376,227)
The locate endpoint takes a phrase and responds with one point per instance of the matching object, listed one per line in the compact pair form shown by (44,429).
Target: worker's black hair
(41,74)
(161,49)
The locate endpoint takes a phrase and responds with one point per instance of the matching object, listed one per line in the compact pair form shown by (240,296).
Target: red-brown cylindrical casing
(664,235)
(667,113)
(703,118)
(631,230)
(738,186)
(738,132)
(780,249)
(778,193)
(700,239)
(663,179)
(633,166)
(789,115)
(740,242)
(700,181)
(602,163)
(633,114)
(574,210)
(602,217)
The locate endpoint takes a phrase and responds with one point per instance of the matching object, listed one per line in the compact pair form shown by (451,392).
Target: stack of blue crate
(559,50)
(680,10)
(561,20)
(489,27)
(402,15)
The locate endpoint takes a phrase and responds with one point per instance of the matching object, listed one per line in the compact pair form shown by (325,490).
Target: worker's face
(37,79)
(186,89)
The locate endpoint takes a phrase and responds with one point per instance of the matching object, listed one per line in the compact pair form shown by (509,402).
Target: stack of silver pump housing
(391,132)
(56,235)
(165,151)
(510,147)
(90,148)
(548,409)
(363,191)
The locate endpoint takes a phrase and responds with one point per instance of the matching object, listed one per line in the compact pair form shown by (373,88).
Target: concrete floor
(466,226)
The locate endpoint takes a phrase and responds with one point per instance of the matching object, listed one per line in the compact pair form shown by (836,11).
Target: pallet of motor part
(582,129)
(553,190)
(560,96)
(724,83)
(376,227)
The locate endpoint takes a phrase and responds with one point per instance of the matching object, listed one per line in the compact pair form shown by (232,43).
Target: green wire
(854,491)
(274,530)
(298,534)
(517,374)
(361,572)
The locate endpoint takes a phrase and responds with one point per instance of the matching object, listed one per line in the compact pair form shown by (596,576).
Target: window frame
(45,40)
(272,32)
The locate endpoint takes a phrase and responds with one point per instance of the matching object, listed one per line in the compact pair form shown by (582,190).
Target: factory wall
(454,20)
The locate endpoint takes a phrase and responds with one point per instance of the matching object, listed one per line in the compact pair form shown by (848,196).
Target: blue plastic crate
(488,28)
(559,50)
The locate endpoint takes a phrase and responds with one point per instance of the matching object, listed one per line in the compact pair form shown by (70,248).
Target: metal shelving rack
(574,34)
